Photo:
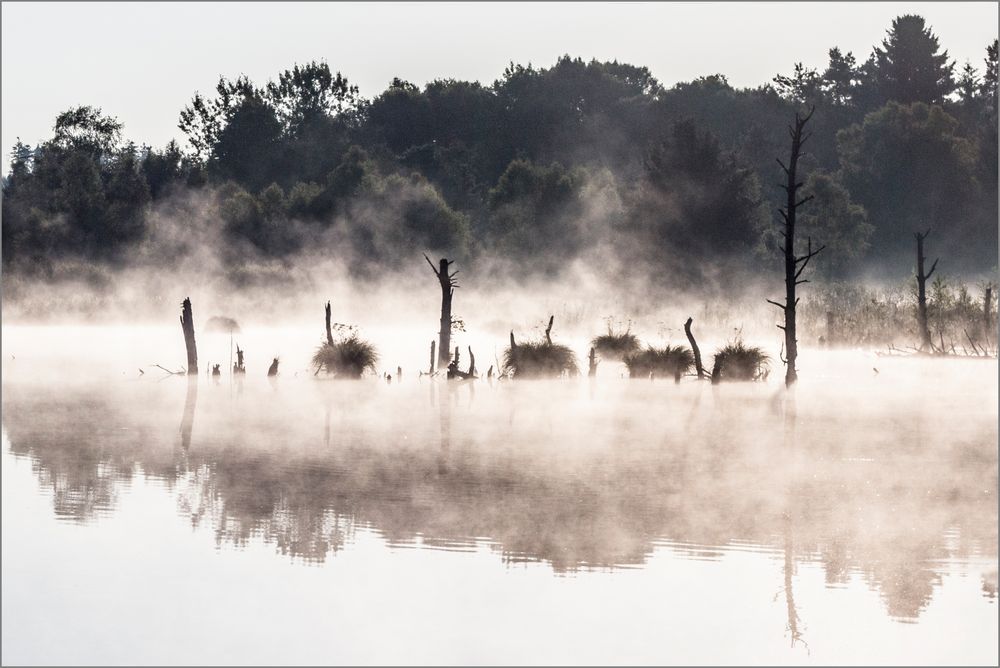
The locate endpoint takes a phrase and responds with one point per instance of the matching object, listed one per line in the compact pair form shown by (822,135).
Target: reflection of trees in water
(595,489)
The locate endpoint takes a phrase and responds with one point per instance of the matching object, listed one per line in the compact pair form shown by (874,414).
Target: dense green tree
(910,170)
(698,201)
(833,220)
(841,77)
(909,66)
(248,147)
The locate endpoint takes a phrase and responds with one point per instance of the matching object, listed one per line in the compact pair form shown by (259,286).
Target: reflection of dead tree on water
(187,421)
(789,569)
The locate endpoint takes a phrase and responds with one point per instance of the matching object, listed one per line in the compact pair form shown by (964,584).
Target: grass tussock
(348,358)
(740,362)
(539,360)
(612,346)
(660,362)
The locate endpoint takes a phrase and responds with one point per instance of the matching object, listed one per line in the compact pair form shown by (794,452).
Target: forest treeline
(540,168)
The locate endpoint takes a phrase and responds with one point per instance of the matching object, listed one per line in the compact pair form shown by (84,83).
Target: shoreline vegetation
(582,161)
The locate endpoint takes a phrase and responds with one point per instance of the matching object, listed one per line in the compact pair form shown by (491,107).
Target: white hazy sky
(142,62)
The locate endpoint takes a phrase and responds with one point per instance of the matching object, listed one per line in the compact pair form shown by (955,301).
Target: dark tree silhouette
(187,326)
(448,285)
(794,264)
(922,324)
(909,66)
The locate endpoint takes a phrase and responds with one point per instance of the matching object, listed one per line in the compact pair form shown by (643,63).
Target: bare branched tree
(448,285)
(794,264)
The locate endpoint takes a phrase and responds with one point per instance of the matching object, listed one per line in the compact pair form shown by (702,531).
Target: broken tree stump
(273,369)
(187,326)
(592,367)
(695,349)
(329,332)
(448,285)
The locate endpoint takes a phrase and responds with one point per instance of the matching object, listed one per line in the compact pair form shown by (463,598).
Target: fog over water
(300,519)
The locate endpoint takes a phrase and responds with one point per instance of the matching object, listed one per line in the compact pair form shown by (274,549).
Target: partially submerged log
(455,372)
(187,326)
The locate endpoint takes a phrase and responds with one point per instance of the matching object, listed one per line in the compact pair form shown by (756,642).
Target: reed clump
(539,359)
(660,362)
(739,362)
(349,357)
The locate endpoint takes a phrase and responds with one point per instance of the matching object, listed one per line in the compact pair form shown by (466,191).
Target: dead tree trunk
(922,324)
(830,334)
(548,330)
(431,372)
(187,326)
(698,366)
(238,368)
(987,315)
(329,332)
(592,367)
(472,363)
(794,264)
(448,285)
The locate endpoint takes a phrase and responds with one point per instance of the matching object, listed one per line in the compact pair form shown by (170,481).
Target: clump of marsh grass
(539,359)
(349,357)
(667,361)
(740,362)
(614,345)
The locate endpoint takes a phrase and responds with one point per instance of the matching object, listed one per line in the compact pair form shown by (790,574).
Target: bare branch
(781,306)
(933,267)
(782,165)
(433,268)
(803,201)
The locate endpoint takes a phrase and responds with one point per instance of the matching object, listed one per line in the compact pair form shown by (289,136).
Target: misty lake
(297,520)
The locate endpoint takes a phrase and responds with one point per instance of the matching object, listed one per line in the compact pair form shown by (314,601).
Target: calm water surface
(151,520)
